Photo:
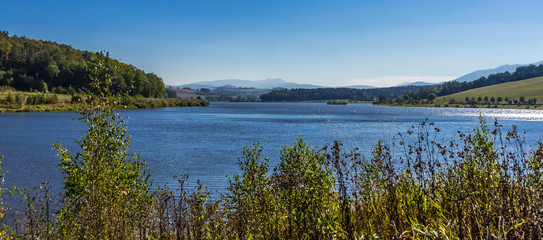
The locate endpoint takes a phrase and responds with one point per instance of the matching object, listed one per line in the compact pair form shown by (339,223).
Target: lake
(205,142)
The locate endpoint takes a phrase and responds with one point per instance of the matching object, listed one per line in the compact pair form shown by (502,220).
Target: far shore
(498,106)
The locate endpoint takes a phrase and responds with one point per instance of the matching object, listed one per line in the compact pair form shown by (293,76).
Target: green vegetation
(319,94)
(222,94)
(457,91)
(28,65)
(107,189)
(527,89)
(46,76)
(522,94)
(18,101)
(337,102)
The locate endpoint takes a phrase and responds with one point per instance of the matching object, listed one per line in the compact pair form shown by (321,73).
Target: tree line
(28,65)
(336,93)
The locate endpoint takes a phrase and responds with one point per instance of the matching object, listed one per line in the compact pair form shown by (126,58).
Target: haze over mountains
(271,83)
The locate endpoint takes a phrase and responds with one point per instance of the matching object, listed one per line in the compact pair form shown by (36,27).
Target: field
(529,88)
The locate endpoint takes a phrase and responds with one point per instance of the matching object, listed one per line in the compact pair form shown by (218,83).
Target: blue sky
(331,43)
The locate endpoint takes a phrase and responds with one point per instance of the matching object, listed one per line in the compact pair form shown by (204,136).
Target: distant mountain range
(485,72)
(271,83)
(268,83)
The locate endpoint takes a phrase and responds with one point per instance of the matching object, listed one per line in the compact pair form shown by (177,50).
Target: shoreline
(145,104)
(496,106)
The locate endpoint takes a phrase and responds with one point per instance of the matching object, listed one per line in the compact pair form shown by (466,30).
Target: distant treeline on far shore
(414,93)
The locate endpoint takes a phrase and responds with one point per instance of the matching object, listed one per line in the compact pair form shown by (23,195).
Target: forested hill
(28,64)
(337,93)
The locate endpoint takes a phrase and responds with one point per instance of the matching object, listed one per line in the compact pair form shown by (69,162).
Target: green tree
(431,97)
(43,86)
(19,100)
(305,188)
(522,99)
(383,99)
(9,99)
(499,99)
(106,187)
(52,70)
(249,196)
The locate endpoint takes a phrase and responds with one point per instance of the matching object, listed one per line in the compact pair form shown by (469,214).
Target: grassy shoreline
(52,102)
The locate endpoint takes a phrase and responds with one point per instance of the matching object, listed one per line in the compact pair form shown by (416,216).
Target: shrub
(106,187)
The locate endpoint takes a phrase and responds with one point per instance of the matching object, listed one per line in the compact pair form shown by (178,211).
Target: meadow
(527,89)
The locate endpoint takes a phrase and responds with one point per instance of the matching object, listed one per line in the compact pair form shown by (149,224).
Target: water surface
(205,142)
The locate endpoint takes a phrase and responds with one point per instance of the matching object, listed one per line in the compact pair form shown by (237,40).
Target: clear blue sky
(332,43)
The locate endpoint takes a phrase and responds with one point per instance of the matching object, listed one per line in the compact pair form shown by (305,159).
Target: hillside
(529,88)
(36,65)
(448,88)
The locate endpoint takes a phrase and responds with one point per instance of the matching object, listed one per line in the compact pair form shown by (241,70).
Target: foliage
(305,188)
(249,193)
(3,228)
(336,93)
(170,93)
(337,102)
(106,188)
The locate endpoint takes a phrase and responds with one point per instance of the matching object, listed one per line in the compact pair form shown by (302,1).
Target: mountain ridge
(472,76)
(268,83)
(271,83)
